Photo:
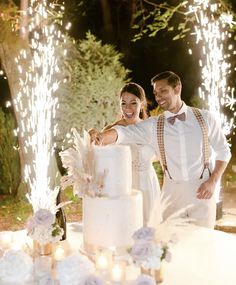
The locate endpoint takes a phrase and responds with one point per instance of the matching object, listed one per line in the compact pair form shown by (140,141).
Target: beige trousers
(179,197)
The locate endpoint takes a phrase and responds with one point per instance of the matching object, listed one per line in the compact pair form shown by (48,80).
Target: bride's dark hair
(139,92)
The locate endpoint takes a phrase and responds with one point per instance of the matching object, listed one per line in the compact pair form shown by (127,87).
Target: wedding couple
(189,143)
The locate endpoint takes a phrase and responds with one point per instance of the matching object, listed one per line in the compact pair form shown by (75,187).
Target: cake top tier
(115,162)
(97,170)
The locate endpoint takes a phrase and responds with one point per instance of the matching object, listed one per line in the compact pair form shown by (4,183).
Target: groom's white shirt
(183,142)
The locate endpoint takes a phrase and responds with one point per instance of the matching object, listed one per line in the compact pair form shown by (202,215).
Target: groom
(191,147)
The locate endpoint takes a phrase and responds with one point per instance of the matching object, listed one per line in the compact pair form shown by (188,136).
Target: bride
(133,108)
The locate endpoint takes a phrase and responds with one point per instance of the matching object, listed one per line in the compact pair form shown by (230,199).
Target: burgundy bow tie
(181,117)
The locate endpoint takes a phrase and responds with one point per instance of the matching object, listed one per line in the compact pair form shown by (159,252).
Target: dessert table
(203,257)
(200,257)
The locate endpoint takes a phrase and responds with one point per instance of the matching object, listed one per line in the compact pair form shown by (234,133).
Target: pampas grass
(80,164)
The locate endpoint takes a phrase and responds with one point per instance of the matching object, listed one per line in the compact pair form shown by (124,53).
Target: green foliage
(159,172)
(9,157)
(229,176)
(89,98)
(69,194)
(9,19)
(198,102)
(153,17)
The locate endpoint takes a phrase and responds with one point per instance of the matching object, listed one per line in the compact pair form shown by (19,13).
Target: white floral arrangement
(94,280)
(144,279)
(146,252)
(80,164)
(42,227)
(151,244)
(47,280)
(75,269)
(16,267)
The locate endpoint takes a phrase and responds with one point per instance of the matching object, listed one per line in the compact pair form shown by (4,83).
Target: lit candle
(102,262)
(18,242)
(117,273)
(6,239)
(17,245)
(59,253)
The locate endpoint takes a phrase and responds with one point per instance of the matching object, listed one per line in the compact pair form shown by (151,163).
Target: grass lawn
(14,211)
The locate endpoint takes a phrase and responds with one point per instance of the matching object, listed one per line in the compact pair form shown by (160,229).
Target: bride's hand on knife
(93,133)
(105,137)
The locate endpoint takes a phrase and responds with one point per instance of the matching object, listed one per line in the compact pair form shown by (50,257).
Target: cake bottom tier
(110,223)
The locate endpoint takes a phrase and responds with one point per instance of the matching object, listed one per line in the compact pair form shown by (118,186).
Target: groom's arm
(207,189)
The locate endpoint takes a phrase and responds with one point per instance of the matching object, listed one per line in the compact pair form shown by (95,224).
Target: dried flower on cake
(80,164)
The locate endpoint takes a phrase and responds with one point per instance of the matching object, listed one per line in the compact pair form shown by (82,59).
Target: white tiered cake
(110,221)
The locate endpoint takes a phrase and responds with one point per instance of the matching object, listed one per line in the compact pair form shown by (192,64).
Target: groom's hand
(206,190)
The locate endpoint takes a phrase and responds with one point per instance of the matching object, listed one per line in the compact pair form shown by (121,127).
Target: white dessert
(110,221)
(115,160)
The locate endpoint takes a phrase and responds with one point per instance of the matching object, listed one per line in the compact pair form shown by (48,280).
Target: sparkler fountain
(212,35)
(37,105)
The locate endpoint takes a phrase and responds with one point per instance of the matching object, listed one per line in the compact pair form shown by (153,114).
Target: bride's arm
(142,133)
(106,137)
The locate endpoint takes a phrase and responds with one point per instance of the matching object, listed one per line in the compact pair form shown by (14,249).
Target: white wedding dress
(145,179)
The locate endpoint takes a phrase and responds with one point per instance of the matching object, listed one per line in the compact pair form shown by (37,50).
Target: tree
(153,17)
(16,55)
(89,99)
(91,66)
(9,157)
(10,46)
(111,21)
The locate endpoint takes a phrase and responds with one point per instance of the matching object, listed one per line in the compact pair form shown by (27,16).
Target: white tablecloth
(201,256)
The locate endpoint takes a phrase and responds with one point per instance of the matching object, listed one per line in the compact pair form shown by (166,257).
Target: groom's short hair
(172,78)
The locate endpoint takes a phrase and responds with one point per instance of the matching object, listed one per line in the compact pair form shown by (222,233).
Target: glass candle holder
(6,239)
(103,260)
(59,254)
(118,273)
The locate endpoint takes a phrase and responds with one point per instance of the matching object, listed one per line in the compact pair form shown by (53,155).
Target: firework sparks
(37,106)
(211,35)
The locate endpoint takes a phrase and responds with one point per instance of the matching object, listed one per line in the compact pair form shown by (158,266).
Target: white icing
(111,222)
(116,161)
